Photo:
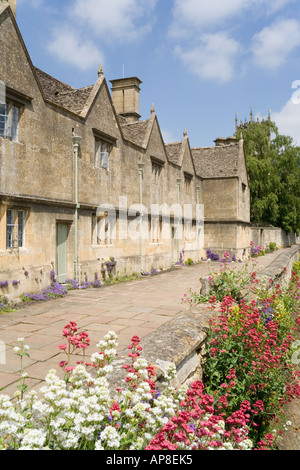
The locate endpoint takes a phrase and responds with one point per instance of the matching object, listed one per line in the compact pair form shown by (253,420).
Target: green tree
(273,163)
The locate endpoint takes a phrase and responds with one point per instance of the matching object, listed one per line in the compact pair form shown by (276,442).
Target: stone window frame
(103,230)
(13,105)
(157,167)
(15,230)
(187,183)
(155,229)
(9,121)
(104,144)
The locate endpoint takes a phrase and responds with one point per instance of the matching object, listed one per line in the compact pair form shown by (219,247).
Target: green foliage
(249,347)
(273,163)
(272,246)
(235,282)
(5,305)
(296,266)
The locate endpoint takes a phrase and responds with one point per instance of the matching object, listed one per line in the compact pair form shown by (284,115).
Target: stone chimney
(231,140)
(11,3)
(126,97)
(220,141)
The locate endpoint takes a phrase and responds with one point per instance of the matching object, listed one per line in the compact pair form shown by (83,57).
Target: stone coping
(275,270)
(178,341)
(182,339)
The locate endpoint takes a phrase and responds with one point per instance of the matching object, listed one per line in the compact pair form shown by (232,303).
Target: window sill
(102,246)
(13,250)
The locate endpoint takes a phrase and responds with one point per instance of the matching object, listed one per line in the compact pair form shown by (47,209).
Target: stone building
(83,178)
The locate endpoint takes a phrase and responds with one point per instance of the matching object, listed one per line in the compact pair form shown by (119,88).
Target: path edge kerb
(182,339)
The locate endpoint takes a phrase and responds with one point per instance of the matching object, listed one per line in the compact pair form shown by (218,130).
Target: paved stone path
(137,307)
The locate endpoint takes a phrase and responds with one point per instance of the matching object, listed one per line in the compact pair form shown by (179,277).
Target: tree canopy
(273,163)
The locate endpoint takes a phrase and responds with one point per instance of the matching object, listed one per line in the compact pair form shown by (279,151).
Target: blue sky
(201,62)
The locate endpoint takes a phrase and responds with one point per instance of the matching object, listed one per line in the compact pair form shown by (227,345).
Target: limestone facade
(72,203)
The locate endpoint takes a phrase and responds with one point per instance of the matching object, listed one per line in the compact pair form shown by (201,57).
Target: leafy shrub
(249,356)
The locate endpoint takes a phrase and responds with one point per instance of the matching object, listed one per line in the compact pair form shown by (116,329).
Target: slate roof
(135,132)
(210,162)
(62,94)
(173,152)
(216,162)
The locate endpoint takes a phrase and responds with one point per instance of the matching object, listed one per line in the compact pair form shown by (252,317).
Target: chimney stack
(126,97)
(220,141)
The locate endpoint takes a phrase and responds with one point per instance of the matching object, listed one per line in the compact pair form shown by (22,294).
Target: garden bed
(217,376)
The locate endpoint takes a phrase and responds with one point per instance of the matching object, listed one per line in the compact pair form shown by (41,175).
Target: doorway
(62,231)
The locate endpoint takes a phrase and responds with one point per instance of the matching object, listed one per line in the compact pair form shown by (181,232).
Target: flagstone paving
(132,308)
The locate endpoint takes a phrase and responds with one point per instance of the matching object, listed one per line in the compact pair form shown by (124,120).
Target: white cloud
(272,46)
(201,15)
(69,48)
(195,14)
(122,20)
(204,33)
(214,58)
(112,21)
(288,119)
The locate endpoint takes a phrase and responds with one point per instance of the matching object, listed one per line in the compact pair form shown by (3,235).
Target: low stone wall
(263,236)
(182,340)
(282,265)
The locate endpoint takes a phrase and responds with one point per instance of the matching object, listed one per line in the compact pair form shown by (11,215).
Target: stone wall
(183,339)
(263,236)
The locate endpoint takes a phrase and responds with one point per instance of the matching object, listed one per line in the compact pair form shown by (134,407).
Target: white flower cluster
(82,413)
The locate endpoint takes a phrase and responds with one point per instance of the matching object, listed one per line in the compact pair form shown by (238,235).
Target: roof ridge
(174,143)
(135,122)
(216,146)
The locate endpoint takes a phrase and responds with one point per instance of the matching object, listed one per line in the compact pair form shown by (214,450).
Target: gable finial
(184,133)
(100,71)
(152,109)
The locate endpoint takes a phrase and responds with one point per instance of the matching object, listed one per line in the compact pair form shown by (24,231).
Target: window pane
(93,226)
(10,229)
(14,123)
(112,230)
(99,231)
(3,119)
(106,233)
(21,227)
(105,156)
(97,146)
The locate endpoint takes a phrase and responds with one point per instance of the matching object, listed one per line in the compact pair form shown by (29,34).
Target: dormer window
(157,166)
(9,121)
(187,183)
(104,144)
(12,105)
(102,154)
